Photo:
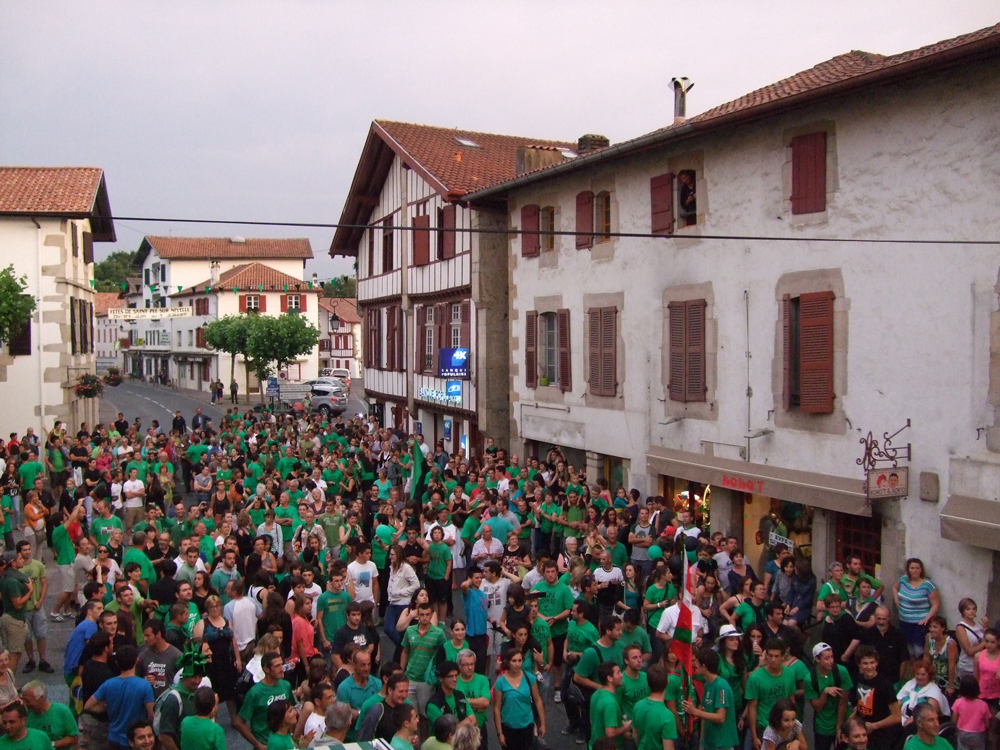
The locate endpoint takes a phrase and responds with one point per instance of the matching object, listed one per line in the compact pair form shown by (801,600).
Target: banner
(149,313)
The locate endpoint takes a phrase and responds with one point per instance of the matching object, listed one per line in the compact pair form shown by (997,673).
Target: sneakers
(557,698)
(570,730)
(55,616)
(44,666)
(581,741)
(29,667)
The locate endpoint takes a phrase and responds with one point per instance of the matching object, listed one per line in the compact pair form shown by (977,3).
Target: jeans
(392,613)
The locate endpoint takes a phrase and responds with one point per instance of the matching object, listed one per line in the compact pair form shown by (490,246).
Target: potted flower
(114,377)
(89,386)
(543,381)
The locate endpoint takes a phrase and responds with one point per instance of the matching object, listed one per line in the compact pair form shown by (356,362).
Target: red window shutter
(421,240)
(565,361)
(243,303)
(816,352)
(302,302)
(262,303)
(366,333)
(400,340)
(786,352)
(390,338)
(199,338)
(466,327)
(529,231)
(88,247)
(448,241)
(676,387)
(420,340)
(531,349)
(284,303)
(584,219)
(661,201)
(809,173)
(594,350)
(694,381)
(379,346)
(609,351)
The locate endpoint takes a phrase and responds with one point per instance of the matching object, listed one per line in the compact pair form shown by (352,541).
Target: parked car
(328,399)
(329,380)
(343,373)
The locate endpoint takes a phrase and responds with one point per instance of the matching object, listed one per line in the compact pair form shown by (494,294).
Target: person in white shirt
(487,547)
(495,584)
(687,525)
(725,562)
(363,576)
(241,613)
(668,624)
(610,583)
(134,493)
(311,589)
(182,557)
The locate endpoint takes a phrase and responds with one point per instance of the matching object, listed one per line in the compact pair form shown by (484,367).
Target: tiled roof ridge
(249,276)
(541,142)
(198,248)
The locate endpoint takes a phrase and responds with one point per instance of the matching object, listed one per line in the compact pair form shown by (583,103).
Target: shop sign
(447,429)
(775,539)
(888,483)
(431,394)
(743,484)
(453,363)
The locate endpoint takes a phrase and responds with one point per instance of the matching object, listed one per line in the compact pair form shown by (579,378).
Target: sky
(258,110)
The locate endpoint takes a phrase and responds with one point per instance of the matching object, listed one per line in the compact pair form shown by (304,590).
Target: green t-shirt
(470,528)
(13,583)
(674,690)
(8,513)
(440,557)
(57,723)
(558,599)
(34,571)
(549,509)
(825,720)
(65,551)
(638,636)
(768,689)
(831,587)
(28,471)
(631,692)
(195,452)
(287,530)
(593,657)
(747,614)
(717,694)
(653,722)
(331,608)
(280,742)
(915,743)
(254,709)
(56,459)
(604,713)
(728,672)
(477,687)
(655,595)
(331,526)
(101,528)
(619,555)
(133,554)
(199,733)
(141,467)
(380,545)
(433,711)
(285,466)
(542,633)
(580,636)
(420,650)
(35,739)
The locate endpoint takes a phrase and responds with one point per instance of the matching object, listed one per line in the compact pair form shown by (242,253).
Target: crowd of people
(258,564)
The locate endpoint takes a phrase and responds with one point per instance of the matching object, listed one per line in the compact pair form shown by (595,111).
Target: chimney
(215,272)
(588,144)
(681,87)
(529,158)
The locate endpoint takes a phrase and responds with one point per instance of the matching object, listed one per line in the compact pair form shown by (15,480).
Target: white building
(757,366)
(170,264)
(340,335)
(433,301)
(108,332)
(49,221)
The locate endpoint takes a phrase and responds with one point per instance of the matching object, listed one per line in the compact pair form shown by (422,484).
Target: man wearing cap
(15,593)
(826,688)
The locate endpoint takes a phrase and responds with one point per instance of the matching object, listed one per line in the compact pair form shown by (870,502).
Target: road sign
(272,388)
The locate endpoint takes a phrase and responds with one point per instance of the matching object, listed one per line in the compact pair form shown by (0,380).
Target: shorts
(14,632)
(419,694)
(558,641)
(38,624)
(68,578)
(439,591)
(58,478)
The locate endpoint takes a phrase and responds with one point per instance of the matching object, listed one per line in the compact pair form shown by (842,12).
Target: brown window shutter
(302,302)
(88,247)
(565,361)
(448,242)
(438,337)
(594,350)
(400,340)
(584,219)
(676,388)
(420,340)
(661,200)
(694,382)
(20,343)
(262,302)
(390,338)
(379,340)
(529,231)
(816,352)
(371,250)
(90,317)
(284,303)
(609,351)
(421,240)
(72,324)
(786,352)
(366,334)
(466,328)
(531,349)
(809,173)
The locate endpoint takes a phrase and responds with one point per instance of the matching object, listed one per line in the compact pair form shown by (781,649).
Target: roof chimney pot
(681,87)
(588,144)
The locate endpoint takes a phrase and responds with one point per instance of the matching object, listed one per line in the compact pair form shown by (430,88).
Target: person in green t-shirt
(474,686)
(827,691)
(201,731)
(717,712)
(751,611)
(767,685)
(606,718)
(251,722)
(55,719)
(420,643)
(653,722)
(406,721)
(100,527)
(29,470)
(634,686)
(632,633)
(331,608)
(607,649)
(439,573)
(19,736)
(554,608)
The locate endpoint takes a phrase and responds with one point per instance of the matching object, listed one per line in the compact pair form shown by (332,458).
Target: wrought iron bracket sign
(889,455)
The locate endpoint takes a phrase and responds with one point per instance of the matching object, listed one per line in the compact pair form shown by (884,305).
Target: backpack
(574,693)
(815,677)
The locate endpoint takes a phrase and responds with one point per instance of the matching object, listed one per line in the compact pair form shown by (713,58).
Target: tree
(230,334)
(113,271)
(341,286)
(275,342)
(16,307)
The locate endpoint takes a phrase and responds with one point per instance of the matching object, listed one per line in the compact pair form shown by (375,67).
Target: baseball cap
(819,648)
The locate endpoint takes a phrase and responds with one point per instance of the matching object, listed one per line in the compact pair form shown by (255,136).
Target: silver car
(328,398)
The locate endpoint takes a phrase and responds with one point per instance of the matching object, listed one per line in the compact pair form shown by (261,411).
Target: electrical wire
(627,235)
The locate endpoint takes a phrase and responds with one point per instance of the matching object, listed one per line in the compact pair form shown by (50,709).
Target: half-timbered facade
(432,285)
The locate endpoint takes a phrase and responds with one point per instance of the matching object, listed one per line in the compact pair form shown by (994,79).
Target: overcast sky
(258,110)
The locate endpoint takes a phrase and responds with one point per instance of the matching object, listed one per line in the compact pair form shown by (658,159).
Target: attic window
(466,142)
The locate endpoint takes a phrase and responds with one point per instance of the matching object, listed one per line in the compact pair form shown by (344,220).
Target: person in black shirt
(355,631)
(840,631)
(874,701)
(121,424)
(773,624)
(893,652)
(96,671)
(415,551)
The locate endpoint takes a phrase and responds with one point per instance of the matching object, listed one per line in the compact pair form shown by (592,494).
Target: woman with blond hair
(224,668)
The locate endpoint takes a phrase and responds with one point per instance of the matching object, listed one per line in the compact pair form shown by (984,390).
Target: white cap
(819,648)
(729,631)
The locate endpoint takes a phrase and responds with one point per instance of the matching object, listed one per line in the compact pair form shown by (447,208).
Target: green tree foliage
(112,272)
(15,306)
(229,334)
(341,286)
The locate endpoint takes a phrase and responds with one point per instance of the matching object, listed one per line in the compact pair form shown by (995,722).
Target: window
(548,354)
(72,234)
(687,199)
(467,143)
(602,217)
(371,250)
(456,326)
(163,273)
(190,338)
(387,245)
(20,342)
(529,231)
(294,303)
(661,200)
(547,224)
(603,377)
(857,535)
(446,232)
(145,276)
(180,338)
(421,240)
(584,220)
(253,303)
(687,350)
(547,349)
(809,173)
(426,318)
(807,334)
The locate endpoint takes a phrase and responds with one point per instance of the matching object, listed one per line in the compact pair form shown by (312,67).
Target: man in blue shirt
(359,687)
(476,605)
(78,639)
(126,698)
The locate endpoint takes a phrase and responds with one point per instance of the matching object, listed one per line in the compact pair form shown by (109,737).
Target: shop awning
(971,520)
(827,491)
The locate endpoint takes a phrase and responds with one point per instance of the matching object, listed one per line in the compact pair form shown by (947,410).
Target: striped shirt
(914,601)
(420,650)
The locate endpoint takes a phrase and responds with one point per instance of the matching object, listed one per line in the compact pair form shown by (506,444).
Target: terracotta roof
(58,191)
(103,301)
(842,74)
(250,277)
(346,309)
(213,248)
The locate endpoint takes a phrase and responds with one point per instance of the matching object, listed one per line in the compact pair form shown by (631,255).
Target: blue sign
(272,388)
(453,363)
(447,429)
(454,390)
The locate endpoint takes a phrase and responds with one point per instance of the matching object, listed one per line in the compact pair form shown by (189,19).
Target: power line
(559,233)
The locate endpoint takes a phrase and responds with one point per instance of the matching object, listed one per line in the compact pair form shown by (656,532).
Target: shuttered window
(603,353)
(529,231)
(465,328)
(20,342)
(687,351)
(602,216)
(72,325)
(371,250)
(387,249)
(447,232)
(390,338)
(809,173)
(547,222)
(421,240)
(807,341)
(584,220)
(661,201)
(565,361)
(199,338)
(531,349)
(422,359)
(88,248)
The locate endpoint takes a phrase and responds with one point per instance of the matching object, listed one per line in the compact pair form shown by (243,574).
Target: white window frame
(253,303)
(297,299)
(548,346)
(190,337)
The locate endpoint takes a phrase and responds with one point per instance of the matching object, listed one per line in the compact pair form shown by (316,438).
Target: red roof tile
(48,190)
(211,248)
(250,277)
(104,301)
(346,309)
